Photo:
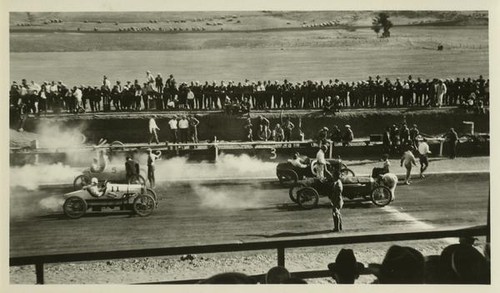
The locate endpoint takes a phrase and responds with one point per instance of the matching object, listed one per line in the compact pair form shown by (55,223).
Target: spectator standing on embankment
(348,136)
(153,127)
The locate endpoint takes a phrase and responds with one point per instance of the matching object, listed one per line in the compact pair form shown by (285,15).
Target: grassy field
(235,56)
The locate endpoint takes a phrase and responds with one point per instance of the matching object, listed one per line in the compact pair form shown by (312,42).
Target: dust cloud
(51,204)
(55,136)
(228,198)
(32,176)
(228,166)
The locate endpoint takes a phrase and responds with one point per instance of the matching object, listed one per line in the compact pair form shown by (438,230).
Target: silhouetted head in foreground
(401,265)
(463,264)
(229,278)
(345,269)
(276,275)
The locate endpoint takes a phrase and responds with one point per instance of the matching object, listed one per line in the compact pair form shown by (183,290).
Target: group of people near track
(157,93)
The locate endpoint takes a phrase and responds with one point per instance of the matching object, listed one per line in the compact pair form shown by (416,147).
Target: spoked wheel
(287,176)
(80,181)
(307,198)
(292,192)
(346,172)
(144,204)
(151,192)
(74,207)
(137,179)
(381,196)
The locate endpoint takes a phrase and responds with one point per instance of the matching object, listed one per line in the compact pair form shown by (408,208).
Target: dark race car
(380,192)
(288,173)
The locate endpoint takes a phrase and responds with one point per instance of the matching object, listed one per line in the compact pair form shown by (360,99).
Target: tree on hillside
(31,17)
(382,22)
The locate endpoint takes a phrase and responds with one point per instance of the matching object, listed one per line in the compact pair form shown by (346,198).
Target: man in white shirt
(321,162)
(77,93)
(172,123)
(153,127)
(423,150)
(183,129)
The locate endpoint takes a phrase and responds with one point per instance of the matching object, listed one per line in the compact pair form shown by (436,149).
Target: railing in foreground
(279,245)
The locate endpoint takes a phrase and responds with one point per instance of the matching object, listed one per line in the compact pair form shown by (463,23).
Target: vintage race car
(111,173)
(380,192)
(286,172)
(134,197)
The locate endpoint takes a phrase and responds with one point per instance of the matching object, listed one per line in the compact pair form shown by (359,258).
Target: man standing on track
(408,159)
(452,138)
(336,201)
(152,157)
(423,150)
(321,162)
(131,168)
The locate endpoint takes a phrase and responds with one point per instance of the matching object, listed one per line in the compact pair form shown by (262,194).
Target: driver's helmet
(94,180)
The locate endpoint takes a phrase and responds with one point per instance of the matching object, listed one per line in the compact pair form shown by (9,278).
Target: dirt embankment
(133,128)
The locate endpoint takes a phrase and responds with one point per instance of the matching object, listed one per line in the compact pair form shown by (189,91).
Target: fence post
(216,148)
(39,273)
(281,256)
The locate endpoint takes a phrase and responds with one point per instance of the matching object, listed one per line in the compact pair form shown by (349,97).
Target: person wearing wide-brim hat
(345,269)
(401,265)
(348,136)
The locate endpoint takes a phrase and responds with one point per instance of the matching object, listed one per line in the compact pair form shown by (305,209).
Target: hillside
(229,21)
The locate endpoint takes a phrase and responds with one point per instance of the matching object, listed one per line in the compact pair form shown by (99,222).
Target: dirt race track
(203,213)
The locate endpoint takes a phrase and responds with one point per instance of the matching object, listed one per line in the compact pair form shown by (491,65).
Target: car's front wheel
(307,198)
(381,196)
(143,205)
(74,207)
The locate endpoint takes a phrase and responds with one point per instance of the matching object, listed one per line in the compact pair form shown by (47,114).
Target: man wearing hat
(401,265)
(345,269)
(153,127)
(348,136)
(321,162)
(336,200)
(172,123)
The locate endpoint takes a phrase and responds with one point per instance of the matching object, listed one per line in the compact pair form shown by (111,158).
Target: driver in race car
(297,161)
(97,191)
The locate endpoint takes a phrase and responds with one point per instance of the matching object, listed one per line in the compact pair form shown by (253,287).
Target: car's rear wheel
(292,192)
(80,181)
(381,196)
(74,207)
(137,179)
(143,205)
(285,176)
(307,198)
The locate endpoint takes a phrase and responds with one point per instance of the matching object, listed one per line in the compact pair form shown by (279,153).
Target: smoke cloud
(55,136)
(228,166)
(32,176)
(224,198)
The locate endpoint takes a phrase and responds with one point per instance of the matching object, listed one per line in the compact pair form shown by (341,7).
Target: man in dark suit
(131,168)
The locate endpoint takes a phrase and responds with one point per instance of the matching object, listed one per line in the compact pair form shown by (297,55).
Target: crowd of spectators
(460,263)
(157,93)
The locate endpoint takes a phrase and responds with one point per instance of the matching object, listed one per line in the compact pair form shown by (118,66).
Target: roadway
(195,213)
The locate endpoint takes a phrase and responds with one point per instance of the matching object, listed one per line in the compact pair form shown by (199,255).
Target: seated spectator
(463,264)
(277,275)
(401,265)
(229,278)
(345,269)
